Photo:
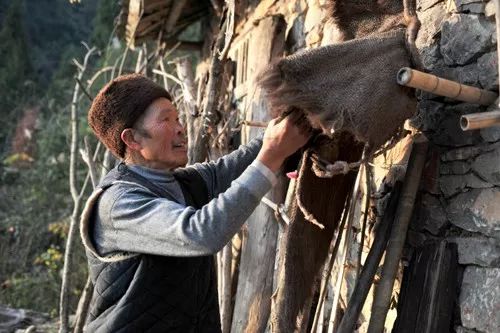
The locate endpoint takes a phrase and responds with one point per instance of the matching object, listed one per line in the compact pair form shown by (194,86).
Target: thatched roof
(142,20)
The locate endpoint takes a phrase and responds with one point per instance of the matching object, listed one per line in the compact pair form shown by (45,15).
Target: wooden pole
(439,86)
(398,235)
(480,120)
(365,280)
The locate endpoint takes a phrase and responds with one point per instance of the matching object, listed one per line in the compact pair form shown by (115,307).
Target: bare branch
(229,29)
(167,75)
(85,92)
(77,198)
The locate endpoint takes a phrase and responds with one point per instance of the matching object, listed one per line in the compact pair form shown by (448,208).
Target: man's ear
(130,140)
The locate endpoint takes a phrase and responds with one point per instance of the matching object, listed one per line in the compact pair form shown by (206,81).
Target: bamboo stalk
(480,120)
(439,86)
(340,277)
(330,263)
(365,280)
(398,235)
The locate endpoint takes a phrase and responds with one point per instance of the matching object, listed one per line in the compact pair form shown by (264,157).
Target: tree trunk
(185,74)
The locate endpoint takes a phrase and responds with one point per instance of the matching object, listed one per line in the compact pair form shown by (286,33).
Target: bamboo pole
(480,120)
(365,280)
(442,87)
(398,235)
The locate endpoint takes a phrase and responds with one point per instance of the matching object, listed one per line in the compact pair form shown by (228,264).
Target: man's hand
(283,138)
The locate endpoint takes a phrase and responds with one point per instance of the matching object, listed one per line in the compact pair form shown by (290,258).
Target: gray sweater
(130,218)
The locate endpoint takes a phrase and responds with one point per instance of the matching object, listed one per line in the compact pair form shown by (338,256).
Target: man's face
(162,137)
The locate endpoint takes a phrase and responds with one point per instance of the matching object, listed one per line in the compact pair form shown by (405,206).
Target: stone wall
(461,197)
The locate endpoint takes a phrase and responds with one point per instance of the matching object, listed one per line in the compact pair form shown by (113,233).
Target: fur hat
(119,105)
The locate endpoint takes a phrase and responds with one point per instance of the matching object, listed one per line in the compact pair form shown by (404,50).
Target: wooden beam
(134,14)
(174,14)
(428,290)
(147,20)
(152,6)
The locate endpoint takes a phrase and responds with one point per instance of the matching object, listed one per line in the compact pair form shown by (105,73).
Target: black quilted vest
(149,293)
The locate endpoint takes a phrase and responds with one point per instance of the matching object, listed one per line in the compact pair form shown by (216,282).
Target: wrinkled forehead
(157,110)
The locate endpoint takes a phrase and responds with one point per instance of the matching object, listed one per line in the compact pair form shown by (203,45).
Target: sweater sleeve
(133,219)
(219,174)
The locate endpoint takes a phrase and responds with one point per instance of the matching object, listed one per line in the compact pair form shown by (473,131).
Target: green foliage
(24,290)
(106,13)
(36,203)
(52,259)
(15,66)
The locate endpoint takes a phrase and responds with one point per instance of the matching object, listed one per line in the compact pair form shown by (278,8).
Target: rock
(415,239)
(423,5)
(468,74)
(431,215)
(465,38)
(490,134)
(295,37)
(430,114)
(468,6)
(331,34)
(479,300)
(481,251)
(455,168)
(314,16)
(427,41)
(431,21)
(487,69)
(473,181)
(461,154)
(431,60)
(461,329)
(12,319)
(450,133)
(476,210)
(487,166)
(489,10)
(451,185)
(314,37)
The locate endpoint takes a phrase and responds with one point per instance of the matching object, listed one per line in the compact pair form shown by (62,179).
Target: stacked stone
(460,199)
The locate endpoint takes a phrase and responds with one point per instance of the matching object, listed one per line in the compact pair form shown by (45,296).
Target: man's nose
(180,129)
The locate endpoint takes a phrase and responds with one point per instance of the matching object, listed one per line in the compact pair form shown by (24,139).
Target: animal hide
(306,245)
(349,86)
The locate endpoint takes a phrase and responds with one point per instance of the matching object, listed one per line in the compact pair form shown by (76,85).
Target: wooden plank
(428,290)
(134,14)
(147,20)
(174,14)
(152,6)
(253,297)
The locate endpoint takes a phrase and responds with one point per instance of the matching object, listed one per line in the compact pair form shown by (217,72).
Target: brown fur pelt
(349,86)
(305,245)
(360,18)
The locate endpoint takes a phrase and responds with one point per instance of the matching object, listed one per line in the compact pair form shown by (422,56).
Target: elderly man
(152,226)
